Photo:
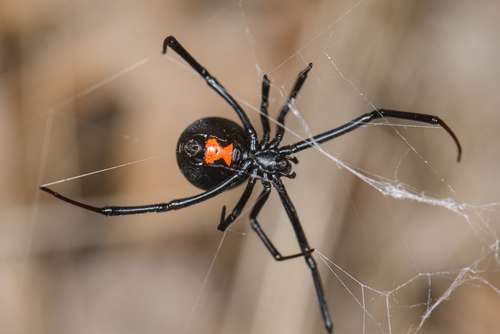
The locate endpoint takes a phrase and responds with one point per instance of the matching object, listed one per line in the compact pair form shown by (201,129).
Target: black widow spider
(216,154)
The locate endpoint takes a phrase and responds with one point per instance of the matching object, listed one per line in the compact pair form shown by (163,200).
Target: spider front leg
(280,130)
(170,41)
(260,232)
(304,245)
(365,119)
(159,207)
(264,114)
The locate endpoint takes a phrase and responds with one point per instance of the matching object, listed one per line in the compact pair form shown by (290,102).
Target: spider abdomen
(209,151)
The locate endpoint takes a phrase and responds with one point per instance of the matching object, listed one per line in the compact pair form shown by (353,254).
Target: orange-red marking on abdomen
(214,151)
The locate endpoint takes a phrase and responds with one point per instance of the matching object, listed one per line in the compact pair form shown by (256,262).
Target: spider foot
(292,159)
(303,74)
(279,257)
(169,41)
(223,223)
(291,175)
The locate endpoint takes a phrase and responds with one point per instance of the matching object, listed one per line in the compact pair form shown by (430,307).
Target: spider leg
(226,221)
(280,130)
(158,207)
(260,232)
(366,118)
(304,245)
(170,41)
(264,114)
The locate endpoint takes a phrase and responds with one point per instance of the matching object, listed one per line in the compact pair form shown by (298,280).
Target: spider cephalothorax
(217,154)
(271,161)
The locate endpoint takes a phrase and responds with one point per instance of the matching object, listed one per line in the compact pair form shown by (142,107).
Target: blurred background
(84,88)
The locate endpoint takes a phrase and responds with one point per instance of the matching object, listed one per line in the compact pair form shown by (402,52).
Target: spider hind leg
(304,245)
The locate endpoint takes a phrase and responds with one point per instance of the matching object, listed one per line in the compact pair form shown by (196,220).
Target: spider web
(407,299)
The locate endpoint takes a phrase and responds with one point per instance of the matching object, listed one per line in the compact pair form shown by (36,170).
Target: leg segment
(366,118)
(226,221)
(304,245)
(264,114)
(159,207)
(280,130)
(170,41)
(262,235)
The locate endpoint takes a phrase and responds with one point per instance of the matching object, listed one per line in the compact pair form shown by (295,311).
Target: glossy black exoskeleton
(191,150)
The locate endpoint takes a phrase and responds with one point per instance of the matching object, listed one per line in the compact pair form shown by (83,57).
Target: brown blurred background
(83,87)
